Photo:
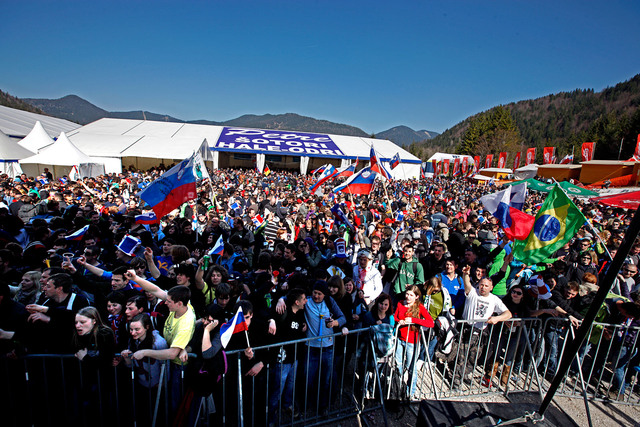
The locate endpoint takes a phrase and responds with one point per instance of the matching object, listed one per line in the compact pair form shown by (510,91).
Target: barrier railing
(324,384)
(350,376)
(517,355)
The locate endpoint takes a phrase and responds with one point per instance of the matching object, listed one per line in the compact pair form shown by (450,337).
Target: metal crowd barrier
(348,378)
(52,390)
(519,355)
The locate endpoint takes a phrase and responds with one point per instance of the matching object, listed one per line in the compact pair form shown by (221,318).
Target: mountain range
(78,110)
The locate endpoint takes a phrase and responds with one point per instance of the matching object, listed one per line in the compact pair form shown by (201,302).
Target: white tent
(148,143)
(37,139)
(60,156)
(438,157)
(10,153)
(526,172)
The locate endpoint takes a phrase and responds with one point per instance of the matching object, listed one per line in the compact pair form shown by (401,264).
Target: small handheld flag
(234,326)
(218,248)
(78,234)
(147,218)
(395,161)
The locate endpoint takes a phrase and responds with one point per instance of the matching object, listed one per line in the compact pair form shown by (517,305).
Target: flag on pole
(395,161)
(218,248)
(488,161)
(516,161)
(359,183)
(530,157)
(346,171)
(376,165)
(557,221)
(74,174)
(587,151)
(319,170)
(502,160)
(173,188)
(548,155)
(233,326)
(567,160)
(259,222)
(327,173)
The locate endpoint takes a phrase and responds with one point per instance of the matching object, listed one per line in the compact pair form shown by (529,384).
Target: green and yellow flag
(556,223)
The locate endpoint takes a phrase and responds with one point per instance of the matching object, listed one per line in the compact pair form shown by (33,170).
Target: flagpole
(620,150)
(246,334)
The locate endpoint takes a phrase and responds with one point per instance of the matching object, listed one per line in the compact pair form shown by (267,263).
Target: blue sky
(370,64)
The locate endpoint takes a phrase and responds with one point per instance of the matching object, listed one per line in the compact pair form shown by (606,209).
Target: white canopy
(18,123)
(37,139)
(61,156)
(61,153)
(11,151)
(526,172)
(131,141)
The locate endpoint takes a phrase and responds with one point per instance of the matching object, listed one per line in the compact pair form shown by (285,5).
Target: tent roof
(558,166)
(150,138)
(18,123)
(531,167)
(38,138)
(440,156)
(61,153)
(10,150)
(496,170)
(609,162)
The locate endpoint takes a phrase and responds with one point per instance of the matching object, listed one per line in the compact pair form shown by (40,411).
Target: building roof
(18,123)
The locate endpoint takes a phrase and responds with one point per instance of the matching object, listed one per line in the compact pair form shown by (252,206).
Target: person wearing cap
(339,259)
(367,277)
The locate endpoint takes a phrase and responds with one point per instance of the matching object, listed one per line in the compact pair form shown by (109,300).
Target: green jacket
(405,274)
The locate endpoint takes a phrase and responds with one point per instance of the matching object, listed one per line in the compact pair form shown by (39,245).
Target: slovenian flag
(319,170)
(173,188)
(233,326)
(235,206)
(400,216)
(359,183)
(395,161)
(376,165)
(147,218)
(78,234)
(218,248)
(327,173)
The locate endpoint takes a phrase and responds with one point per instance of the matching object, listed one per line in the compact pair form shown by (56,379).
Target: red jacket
(406,334)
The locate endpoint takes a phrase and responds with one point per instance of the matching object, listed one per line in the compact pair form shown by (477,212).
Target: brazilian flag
(557,221)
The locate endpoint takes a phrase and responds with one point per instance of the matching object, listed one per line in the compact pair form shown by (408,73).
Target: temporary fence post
(377,372)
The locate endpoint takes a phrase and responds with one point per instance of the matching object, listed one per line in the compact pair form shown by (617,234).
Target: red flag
(435,167)
(636,154)
(439,168)
(587,151)
(502,160)
(516,161)
(445,167)
(456,166)
(465,165)
(476,163)
(548,155)
(488,161)
(531,156)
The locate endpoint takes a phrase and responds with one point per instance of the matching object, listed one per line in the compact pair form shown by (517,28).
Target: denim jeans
(621,362)
(284,376)
(320,365)
(404,360)
(549,363)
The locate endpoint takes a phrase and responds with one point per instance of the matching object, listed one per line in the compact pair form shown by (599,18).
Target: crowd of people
(84,273)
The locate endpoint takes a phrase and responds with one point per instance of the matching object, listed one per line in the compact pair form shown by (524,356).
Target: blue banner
(276,141)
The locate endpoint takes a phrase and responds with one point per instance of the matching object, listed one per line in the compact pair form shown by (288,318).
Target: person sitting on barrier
(437,301)
(480,305)
(409,315)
